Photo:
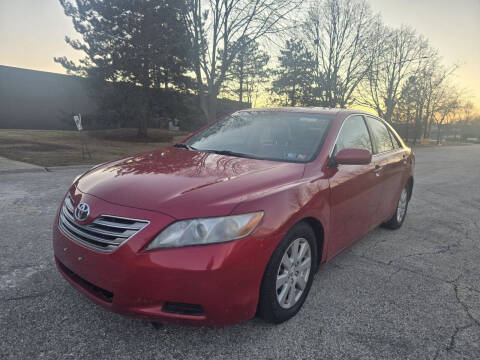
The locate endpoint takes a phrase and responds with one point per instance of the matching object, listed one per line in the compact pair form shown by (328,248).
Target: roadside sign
(78,121)
(83,136)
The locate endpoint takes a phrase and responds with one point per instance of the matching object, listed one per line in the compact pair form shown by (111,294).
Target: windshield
(280,136)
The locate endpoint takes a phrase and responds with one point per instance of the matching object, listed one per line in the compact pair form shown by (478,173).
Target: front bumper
(222,279)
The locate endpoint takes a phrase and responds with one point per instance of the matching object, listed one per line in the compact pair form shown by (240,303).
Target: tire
(272,307)
(396,221)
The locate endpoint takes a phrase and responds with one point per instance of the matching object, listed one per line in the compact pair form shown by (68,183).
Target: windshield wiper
(184,146)
(219,152)
(231,153)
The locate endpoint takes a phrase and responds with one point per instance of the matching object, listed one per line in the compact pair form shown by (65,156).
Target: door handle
(377,170)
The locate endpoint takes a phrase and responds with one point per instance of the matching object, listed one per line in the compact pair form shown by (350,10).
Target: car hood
(184,183)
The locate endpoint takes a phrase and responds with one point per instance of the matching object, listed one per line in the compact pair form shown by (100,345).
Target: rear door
(389,161)
(353,188)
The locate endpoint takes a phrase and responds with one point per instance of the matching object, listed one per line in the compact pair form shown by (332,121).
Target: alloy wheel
(293,273)
(402,205)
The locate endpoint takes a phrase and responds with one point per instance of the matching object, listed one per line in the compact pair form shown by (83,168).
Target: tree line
(329,53)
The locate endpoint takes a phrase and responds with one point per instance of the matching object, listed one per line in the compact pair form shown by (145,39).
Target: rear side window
(381,135)
(354,134)
(396,142)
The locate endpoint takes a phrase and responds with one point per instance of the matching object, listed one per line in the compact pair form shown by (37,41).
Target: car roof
(312,110)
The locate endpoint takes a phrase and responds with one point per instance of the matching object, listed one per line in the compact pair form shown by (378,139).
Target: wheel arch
(410,187)
(319,231)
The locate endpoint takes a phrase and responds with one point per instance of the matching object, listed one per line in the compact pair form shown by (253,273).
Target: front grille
(105,233)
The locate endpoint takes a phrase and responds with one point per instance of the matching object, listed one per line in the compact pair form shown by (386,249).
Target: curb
(20,171)
(67,167)
(45,169)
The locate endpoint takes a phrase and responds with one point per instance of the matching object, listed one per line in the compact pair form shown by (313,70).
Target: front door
(354,194)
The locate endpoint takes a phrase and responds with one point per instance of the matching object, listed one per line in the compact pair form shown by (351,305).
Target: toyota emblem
(82,211)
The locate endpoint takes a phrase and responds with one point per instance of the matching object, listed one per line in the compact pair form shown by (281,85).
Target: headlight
(206,231)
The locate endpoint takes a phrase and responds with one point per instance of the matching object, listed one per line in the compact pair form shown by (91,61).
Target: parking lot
(407,294)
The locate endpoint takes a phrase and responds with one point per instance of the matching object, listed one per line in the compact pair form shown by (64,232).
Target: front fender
(287,205)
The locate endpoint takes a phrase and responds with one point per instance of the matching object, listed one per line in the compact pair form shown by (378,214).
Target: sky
(32,32)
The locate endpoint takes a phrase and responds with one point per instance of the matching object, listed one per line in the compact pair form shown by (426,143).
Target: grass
(59,147)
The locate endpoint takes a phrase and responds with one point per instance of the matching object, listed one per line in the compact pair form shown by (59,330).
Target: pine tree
(143,43)
(293,78)
(248,71)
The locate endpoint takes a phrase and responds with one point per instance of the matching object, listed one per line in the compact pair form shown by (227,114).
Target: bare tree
(220,29)
(422,95)
(467,110)
(399,54)
(408,110)
(340,34)
(470,124)
(436,91)
(448,105)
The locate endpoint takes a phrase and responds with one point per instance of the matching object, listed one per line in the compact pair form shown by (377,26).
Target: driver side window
(354,134)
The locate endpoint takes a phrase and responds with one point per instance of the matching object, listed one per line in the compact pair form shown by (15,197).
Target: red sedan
(235,220)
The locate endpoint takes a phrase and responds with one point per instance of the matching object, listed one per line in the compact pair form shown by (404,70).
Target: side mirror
(352,156)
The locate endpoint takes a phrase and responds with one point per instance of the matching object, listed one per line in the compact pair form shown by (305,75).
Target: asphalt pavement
(413,293)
